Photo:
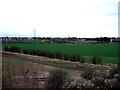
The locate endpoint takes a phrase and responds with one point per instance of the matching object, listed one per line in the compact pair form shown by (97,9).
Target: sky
(59,18)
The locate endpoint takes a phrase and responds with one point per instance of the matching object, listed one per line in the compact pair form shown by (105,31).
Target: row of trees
(58,55)
(50,54)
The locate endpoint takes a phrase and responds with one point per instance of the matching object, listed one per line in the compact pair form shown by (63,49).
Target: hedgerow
(59,55)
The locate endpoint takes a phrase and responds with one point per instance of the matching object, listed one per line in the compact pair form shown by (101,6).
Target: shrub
(32,52)
(73,57)
(98,82)
(15,49)
(88,73)
(113,71)
(96,60)
(99,60)
(66,56)
(58,55)
(82,60)
(56,79)
(39,53)
(43,53)
(6,48)
(48,53)
(25,51)
(51,55)
(77,57)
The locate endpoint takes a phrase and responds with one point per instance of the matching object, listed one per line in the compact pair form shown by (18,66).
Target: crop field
(107,51)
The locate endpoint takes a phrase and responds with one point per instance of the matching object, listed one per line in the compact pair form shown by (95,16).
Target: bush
(51,55)
(77,57)
(96,60)
(88,73)
(56,79)
(25,51)
(82,60)
(39,53)
(66,57)
(113,71)
(43,53)
(99,61)
(15,49)
(6,48)
(73,57)
(32,52)
(58,55)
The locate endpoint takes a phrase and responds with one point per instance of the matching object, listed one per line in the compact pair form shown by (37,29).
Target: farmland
(36,71)
(107,51)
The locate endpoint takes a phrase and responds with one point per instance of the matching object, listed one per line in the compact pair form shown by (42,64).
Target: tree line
(58,55)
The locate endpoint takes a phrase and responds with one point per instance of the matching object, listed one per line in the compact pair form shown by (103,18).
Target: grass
(102,50)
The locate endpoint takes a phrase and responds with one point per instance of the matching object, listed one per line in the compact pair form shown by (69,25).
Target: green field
(107,51)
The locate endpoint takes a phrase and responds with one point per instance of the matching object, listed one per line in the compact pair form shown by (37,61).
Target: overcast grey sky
(59,18)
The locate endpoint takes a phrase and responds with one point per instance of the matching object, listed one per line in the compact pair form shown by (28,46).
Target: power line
(34,33)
